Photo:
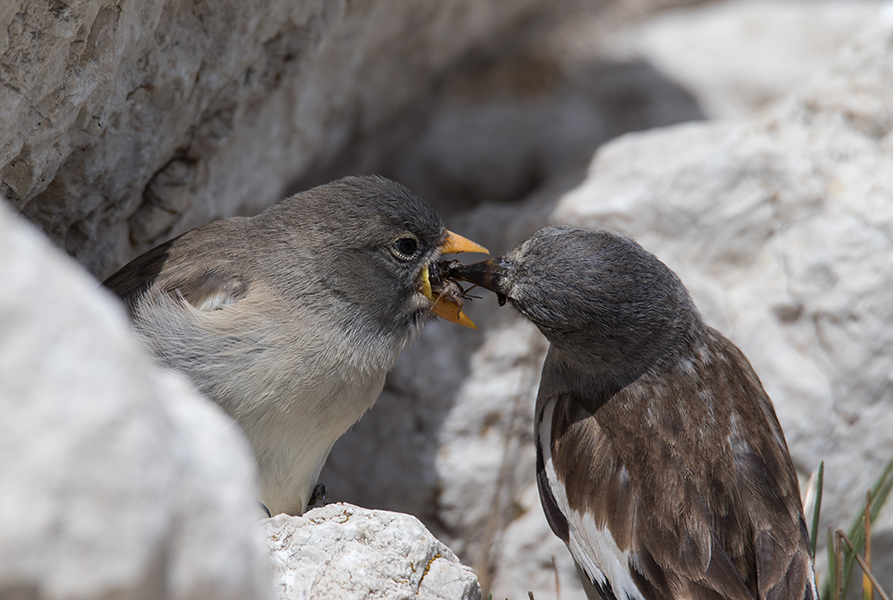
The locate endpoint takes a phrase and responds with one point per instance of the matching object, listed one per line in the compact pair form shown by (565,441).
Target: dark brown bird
(660,461)
(290,320)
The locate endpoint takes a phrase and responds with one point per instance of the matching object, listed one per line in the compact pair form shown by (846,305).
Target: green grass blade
(878,494)
(830,582)
(882,492)
(817,507)
(885,474)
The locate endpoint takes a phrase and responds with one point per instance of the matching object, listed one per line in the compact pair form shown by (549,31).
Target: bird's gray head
(367,241)
(599,297)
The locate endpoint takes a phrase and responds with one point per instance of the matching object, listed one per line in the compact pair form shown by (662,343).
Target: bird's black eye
(406,246)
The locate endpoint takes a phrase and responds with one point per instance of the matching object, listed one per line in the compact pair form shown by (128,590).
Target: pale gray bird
(660,461)
(291,319)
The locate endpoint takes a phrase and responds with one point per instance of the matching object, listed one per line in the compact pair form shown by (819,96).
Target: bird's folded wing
(615,534)
(207,284)
(643,526)
(210,288)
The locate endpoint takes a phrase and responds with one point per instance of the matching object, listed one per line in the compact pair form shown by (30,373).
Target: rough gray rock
(117,480)
(342,552)
(781,227)
(126,123)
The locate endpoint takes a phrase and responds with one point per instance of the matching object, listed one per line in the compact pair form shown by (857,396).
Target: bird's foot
(317,496)
(264,508)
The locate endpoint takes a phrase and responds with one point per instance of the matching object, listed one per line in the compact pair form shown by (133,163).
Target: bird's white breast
(293,389)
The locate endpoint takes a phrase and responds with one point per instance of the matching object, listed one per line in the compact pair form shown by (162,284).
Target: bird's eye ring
(406,246)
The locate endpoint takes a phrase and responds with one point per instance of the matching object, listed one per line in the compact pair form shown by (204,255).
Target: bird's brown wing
(683,480)
(183,267)
(768,480)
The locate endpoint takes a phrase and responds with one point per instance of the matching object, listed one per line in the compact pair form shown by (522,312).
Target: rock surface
(116,480)
(737,56)
(122,124)
(343,552)
(782,228)
(506,124)
(126,123)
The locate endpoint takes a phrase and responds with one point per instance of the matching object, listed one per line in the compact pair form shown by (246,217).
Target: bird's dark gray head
(599,297)
(367,240)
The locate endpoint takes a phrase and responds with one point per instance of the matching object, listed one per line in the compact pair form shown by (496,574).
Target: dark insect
(454,270)
(446,288)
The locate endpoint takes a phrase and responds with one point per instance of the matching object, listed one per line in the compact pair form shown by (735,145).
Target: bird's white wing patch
(216,300)
(598,555)
(592,547)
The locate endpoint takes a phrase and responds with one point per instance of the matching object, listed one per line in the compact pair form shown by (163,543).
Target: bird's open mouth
(447,295)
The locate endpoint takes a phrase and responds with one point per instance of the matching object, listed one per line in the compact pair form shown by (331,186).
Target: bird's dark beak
(489,274)
(446,307)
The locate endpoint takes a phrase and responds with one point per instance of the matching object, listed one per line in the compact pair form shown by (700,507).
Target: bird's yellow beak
(447,307)
(456,244)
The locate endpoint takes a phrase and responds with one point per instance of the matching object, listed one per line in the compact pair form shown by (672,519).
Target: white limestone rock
(737,56)
(343,552)
(117,480)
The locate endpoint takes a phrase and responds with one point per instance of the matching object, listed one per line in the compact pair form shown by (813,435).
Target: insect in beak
(447,295)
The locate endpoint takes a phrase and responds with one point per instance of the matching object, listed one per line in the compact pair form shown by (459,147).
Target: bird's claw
(317,496)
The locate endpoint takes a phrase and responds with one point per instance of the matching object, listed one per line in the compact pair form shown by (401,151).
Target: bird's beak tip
(451,312)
